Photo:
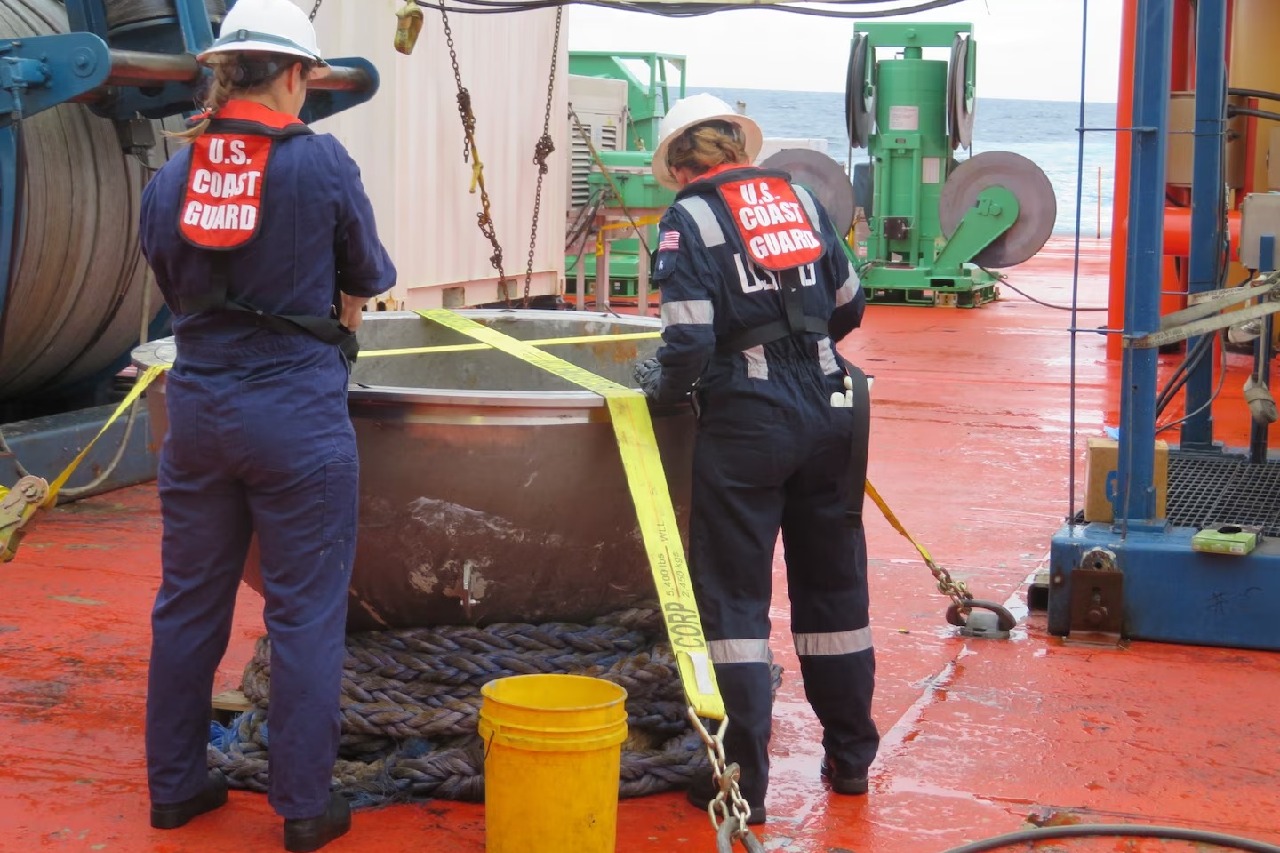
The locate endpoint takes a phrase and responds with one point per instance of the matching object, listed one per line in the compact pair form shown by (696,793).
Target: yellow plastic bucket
(553,753)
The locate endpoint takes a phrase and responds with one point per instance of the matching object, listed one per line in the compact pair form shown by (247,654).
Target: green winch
(937,226)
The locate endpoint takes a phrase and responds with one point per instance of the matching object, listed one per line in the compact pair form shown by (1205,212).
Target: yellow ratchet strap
(647,482)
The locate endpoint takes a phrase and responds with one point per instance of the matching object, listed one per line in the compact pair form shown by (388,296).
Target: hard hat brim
(750,132)
(255,46)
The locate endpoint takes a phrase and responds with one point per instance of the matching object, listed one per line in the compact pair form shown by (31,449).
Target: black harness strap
(767,334)
(861,443)
(327,329)
(796,322)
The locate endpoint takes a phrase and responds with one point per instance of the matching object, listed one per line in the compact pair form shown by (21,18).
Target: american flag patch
(669,241)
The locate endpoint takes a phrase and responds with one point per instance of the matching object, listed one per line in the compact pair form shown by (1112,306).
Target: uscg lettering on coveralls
(224,189)
(771,222)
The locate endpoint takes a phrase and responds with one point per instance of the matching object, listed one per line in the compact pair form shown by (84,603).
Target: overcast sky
(1026,48)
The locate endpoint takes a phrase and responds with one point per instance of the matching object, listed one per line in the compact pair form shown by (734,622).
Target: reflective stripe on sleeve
(849,289)
(705,218)
(809,207)
(688,311)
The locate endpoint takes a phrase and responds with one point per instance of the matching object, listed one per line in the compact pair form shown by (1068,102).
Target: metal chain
(953,589)
(728,803)
(540,153)
(484,219)
(314,10)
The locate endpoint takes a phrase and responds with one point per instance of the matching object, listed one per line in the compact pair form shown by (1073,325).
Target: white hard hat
(266,26)
(696,109)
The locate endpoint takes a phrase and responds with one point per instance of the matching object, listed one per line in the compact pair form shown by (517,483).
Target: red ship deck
(970,446)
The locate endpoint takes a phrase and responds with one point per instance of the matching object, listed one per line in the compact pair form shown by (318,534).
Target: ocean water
(1042,131)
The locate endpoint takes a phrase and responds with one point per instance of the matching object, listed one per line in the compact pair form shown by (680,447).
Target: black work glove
(648,375)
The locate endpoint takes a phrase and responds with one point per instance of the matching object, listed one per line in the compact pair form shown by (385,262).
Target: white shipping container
(408,142)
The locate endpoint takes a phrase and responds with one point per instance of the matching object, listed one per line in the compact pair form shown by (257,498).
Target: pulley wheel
(859,103)
(960,102)
(1037,205)
(823,177)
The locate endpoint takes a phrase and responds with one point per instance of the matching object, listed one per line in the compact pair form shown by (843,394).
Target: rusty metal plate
(1097,601)
(823,177)
(1037,206)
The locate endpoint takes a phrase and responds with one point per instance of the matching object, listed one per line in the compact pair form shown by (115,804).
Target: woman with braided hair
(756,290)
(264,245)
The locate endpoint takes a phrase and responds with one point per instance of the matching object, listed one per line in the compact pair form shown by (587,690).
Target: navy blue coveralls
(771,454)
(260,441)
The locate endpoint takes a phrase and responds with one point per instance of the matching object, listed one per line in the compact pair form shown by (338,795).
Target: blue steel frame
(1171,592)
(1207,259)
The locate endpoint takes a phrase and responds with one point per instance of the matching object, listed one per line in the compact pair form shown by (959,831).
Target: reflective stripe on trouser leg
(306,530)
(827,582)
(735,516)
(205,538)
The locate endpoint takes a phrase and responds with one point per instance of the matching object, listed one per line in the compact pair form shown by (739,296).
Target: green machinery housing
(936,225)
(620,180)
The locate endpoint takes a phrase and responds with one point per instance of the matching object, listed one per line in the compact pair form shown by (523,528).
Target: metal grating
(1209,490)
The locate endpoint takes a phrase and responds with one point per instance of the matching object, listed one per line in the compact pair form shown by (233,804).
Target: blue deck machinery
(86,89)
(1204,568)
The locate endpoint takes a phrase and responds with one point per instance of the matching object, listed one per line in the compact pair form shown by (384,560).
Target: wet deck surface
(969,446)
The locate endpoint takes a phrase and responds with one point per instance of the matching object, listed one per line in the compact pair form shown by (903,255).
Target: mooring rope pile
(411,701)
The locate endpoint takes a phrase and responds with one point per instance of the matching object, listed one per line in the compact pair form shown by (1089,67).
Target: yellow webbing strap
(541,342)
(51,498)
(648,485)
(144,379)
(896,524)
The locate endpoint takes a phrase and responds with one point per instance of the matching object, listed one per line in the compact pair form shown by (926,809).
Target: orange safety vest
(222,207)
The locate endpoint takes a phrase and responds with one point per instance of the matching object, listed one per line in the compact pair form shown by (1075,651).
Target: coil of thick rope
(411,700)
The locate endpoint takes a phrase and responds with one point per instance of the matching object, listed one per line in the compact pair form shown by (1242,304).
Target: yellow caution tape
(541,342)
(647,482)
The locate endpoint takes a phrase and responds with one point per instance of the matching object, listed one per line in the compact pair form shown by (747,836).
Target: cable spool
(1038,207)
(824,177)
(960,100)
(125,15)
(859,101)
(77,278)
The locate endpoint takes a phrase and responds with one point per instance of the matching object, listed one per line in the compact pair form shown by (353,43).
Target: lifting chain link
(541,152)
(314,11)
(471,155)
(728,810)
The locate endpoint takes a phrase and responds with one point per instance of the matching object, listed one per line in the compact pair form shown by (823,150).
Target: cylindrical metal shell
(489,489)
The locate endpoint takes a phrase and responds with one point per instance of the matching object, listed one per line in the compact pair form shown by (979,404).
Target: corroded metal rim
(164,351)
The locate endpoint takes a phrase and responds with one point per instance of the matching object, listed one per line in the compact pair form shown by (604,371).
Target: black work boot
(174,815)
(842,778)
(704,790)
(302,835)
